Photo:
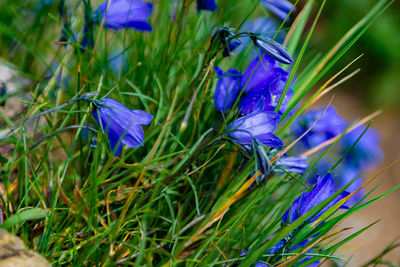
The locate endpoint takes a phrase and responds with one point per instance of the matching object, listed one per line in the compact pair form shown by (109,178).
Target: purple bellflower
(126,14)
(123,126)
(367,153)
(258,124)
(227,88)
(258,75)
(329,125)
(264,82)
(280,8)
(343,174)
(323,189)
(209,5)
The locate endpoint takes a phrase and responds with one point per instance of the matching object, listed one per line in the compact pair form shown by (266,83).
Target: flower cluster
(254,101)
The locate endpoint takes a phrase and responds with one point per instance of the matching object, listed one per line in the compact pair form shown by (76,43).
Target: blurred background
(377,86)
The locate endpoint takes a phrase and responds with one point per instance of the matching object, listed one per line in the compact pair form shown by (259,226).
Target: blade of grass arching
(322,68)
(296,30)
(23,216)
(299,58)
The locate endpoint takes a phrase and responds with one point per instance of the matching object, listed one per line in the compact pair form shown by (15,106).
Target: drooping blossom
(122,125)
(209,5)
(126,14)
(322,190)
(263,83)
(230,47)
(227,88)
(292,164)
(260,125)
(280,8)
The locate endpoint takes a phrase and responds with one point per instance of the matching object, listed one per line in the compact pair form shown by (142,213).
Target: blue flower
(323,189)
(227,88)
(272,49)
(209,5)
(343,175)
(126,14)
(258,124)
(367,152)
(266,72)
(263,85)
(280,8)
(123,126)
(329,125)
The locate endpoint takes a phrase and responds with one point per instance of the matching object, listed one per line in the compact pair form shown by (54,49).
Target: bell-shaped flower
(260,125)
(280,8)
(122,125)
(260,75)
(209,5)
(263,82)
(322,190)
(227,88)
(120,14)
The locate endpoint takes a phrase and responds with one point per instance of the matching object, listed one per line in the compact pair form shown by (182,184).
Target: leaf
(25,215)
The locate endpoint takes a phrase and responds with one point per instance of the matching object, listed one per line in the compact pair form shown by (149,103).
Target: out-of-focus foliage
(379,79)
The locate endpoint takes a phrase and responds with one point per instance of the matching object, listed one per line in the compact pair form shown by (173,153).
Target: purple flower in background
(209,5)
(123,126)
(323,189)
(367,152)
(258,124)
(329,125)
(227,88)
(126,14)
(280,8)
(272,49)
